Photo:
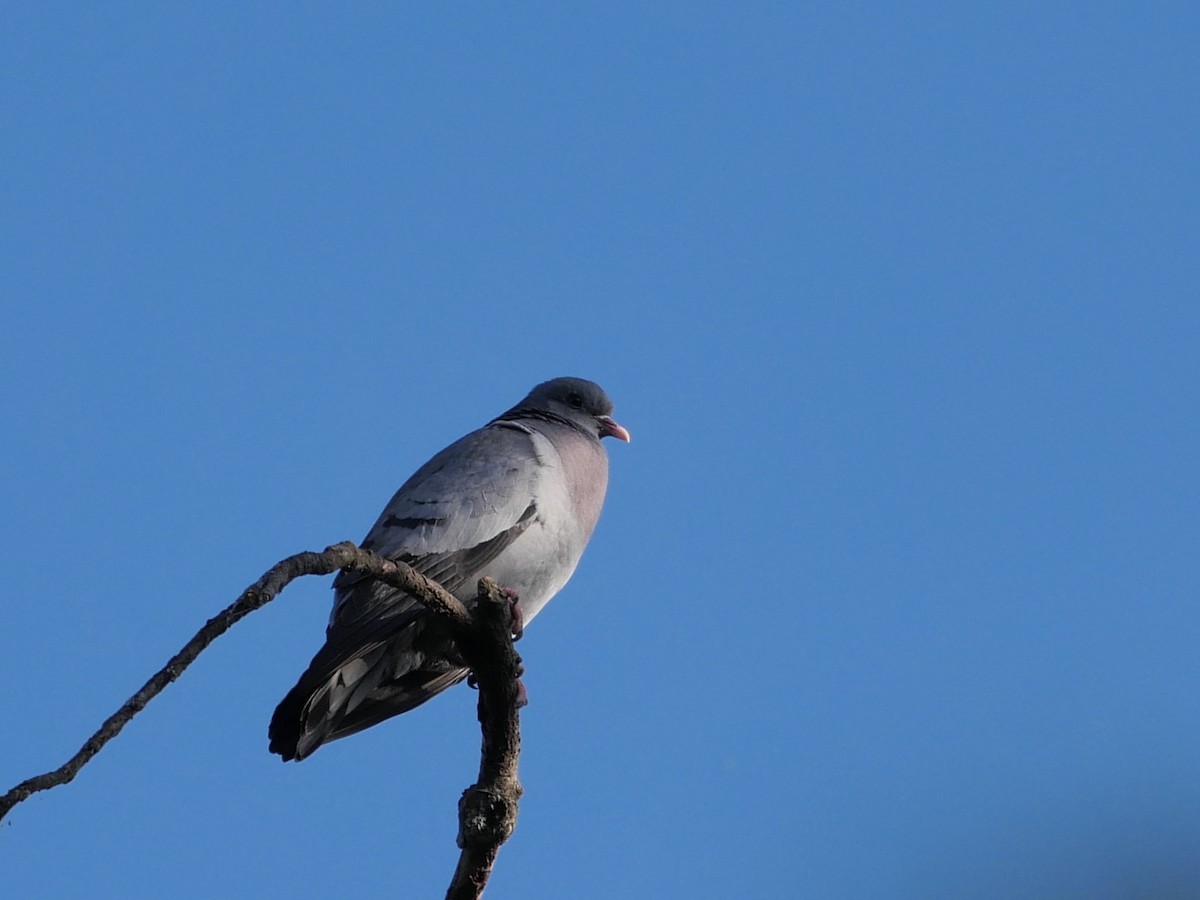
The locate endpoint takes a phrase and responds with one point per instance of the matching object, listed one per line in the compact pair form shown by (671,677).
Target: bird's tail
(333,700)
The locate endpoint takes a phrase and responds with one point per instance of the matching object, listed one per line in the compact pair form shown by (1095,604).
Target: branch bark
(488,809)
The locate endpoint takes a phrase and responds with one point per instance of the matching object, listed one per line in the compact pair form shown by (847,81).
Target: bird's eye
(574,400)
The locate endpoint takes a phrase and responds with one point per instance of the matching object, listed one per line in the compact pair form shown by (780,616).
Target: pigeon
(516,501)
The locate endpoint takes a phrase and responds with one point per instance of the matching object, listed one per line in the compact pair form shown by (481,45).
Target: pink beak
(609,428)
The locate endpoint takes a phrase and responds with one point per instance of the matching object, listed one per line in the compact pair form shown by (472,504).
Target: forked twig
(487,810)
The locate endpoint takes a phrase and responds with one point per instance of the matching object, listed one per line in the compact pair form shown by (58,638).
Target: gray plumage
(516,500)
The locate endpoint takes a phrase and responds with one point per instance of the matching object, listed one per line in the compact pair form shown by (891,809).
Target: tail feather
(326,705)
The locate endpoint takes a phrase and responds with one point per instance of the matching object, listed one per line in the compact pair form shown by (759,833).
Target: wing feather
(453,517)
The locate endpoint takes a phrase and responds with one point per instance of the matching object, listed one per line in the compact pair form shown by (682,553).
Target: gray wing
(382,655)
(450,519)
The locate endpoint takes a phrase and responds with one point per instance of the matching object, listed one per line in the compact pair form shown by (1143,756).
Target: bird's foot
(522,693)
(518,618)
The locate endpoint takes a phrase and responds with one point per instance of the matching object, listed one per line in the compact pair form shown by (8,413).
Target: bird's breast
(570,492)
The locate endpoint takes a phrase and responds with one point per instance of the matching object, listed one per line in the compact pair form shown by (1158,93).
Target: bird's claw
(522,694)
(518,618)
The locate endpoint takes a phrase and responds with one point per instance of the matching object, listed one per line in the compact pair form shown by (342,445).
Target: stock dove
(516,500)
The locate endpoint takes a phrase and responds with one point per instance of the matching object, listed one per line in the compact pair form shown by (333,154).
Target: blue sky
(896,591)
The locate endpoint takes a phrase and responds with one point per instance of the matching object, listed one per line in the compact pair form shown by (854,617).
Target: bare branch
(487,810)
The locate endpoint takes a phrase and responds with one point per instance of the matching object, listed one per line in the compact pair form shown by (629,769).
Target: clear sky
(896,593)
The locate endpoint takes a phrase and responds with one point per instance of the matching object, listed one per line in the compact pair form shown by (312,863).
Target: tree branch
(487,810)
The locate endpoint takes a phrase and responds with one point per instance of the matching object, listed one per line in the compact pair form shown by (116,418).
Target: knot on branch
(487,816)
